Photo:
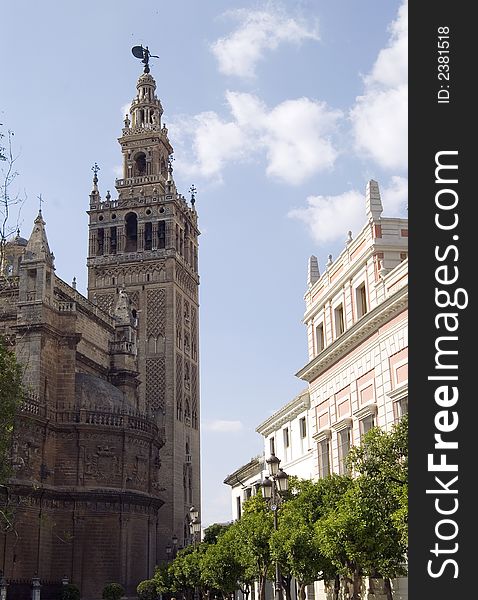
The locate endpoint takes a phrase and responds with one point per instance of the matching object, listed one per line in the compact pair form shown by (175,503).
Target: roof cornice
(360,331)
(285,414)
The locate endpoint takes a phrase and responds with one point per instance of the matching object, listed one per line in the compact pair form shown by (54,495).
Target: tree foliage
(212,533)
(364,533)
(11,392)
(147,590)
(295,544)
(113,591)
(340,527)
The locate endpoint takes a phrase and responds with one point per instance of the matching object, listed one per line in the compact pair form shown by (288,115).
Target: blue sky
(279,113)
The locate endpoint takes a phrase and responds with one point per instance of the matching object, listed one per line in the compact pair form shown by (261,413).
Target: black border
(434,127)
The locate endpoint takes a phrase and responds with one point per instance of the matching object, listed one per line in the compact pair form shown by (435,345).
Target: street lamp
(273,486)
(172,549)
(195,529)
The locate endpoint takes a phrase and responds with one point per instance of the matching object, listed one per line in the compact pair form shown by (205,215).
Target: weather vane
(192,191)
(144,54)
(40,201)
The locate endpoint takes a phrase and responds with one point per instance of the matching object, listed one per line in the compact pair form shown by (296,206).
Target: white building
(357,374)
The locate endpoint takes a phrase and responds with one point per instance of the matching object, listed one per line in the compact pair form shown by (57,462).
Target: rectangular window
(401,408)
(161,234)
(100,242)
(343,439)
(366,424)
(339,320)
(361,298)
(319,338)
(148,236)
(286,438)
(238,507)
(303,428)
(272,445)
(247,493)
(113,240)
(324,463)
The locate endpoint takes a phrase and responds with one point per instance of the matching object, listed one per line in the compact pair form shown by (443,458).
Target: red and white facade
(357,374)
(356,318)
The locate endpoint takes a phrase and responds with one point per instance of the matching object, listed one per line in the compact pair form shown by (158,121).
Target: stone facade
(106,448)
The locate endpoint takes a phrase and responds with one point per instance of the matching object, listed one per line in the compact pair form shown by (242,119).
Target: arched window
(131,221)
(140,164)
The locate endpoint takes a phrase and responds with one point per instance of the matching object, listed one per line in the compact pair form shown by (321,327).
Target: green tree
(113,591)
(70,591)
(212,533)
(164,579)
(11,393)
(253,532)
(360,535)
(146,590)
(223,567)
(295,543)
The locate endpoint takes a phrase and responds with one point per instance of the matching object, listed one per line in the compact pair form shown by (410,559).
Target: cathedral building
(106,460)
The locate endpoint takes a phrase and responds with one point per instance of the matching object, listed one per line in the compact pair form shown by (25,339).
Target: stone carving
(26,457)
(139,469)
(178,320)
(186,282)
(155,382)
(187,319)
(187,344)
(102,463)
(187,381)
(179,386)
(105,302)
(194,334)
(156,312)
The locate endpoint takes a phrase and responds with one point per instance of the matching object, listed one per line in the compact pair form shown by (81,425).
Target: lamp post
(273,486)
(171,551)
(195,529)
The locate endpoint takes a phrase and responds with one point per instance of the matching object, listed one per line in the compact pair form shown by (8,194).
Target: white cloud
(220,426)
(258,31)
(380,115)
(125,109)
(329,218)
(294,136)
(395,197)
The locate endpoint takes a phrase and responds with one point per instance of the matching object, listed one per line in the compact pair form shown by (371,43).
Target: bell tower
(145,241)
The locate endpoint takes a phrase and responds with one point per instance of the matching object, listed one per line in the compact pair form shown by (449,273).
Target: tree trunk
(262,587)
(286,583)
(357,584)
(302,591)
(388,588)
(337,587)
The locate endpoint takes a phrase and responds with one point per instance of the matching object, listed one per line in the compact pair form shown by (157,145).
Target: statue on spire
(144,54)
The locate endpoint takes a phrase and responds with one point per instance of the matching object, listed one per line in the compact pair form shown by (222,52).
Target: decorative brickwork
(156,311)
(194,395)
(105,302)
(155,382)
(179,386)
(179,321)
(194,334)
